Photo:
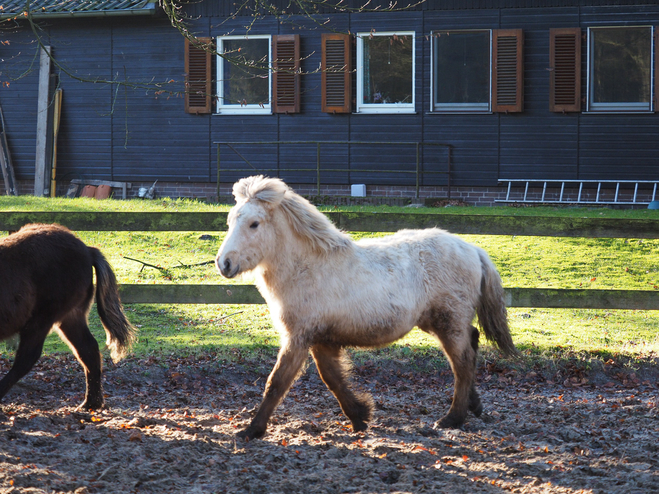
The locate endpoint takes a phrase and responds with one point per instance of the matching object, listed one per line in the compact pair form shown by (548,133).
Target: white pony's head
(268,215)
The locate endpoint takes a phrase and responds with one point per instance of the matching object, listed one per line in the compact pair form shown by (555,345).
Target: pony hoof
(359,426)
(250,433)
(91,405)
(449,422)
(477,409)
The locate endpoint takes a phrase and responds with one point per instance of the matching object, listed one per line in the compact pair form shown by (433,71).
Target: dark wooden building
(462,93)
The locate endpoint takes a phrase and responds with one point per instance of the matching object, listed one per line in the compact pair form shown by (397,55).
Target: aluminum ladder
(595,192)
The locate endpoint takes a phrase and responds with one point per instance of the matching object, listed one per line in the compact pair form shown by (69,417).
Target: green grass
(541,262)
(245,332)
(522,261)
(31,203)
(170,251)
(562,212)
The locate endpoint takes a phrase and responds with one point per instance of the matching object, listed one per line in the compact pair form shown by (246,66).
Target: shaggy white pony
(326,292)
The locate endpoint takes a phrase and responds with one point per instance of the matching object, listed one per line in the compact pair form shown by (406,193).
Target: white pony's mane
(309,223)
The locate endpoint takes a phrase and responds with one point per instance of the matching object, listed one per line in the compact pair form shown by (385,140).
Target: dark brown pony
(46,281)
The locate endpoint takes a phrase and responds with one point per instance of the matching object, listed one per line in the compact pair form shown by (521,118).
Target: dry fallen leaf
(135,436)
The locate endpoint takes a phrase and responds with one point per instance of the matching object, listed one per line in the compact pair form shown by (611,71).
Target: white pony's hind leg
(475,405)
(462,358)
(460,344)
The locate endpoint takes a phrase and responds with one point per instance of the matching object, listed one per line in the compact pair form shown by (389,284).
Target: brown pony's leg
(29,350)
(333,369)
(289,362)
(75,331)
(460,348)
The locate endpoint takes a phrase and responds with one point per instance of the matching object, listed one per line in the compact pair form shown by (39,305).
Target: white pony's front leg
(289,362)
(334,369)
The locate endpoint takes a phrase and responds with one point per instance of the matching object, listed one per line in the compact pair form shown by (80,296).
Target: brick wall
(375,194)
(479,196)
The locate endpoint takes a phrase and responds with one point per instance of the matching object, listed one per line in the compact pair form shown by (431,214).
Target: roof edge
(148,8)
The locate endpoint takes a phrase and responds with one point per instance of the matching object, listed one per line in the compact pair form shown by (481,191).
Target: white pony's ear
(270,191)
(240,188)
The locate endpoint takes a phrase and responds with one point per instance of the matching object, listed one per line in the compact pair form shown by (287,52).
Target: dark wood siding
(626,145)
(153,138)
(538,143)
(244,128)
(656,64)
(474,138)
(139,133)
(84,142)
(388,127)
(215,8)
(18,96)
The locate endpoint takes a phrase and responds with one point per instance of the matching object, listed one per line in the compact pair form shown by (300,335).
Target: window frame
(250,109)
(380,108)
(624,107)
(506,92)
(458,107)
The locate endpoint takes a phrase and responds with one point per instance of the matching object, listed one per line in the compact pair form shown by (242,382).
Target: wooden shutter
(508,71)
(336,68)
(565,69)
(286,76)
(197,77)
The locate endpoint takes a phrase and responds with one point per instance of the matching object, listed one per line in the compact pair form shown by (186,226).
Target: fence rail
(366,222)
(515,297)
(547,226)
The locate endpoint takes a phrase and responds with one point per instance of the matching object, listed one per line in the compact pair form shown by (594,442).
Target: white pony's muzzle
(226,266)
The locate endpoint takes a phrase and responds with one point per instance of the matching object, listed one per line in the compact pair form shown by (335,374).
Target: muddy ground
(169,427)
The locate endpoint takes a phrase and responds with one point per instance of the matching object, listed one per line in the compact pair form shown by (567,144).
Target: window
(477,71)
(385,72)
(243,75)
(620,69)
(461,75)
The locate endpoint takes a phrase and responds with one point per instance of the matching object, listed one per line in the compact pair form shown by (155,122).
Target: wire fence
(320,169)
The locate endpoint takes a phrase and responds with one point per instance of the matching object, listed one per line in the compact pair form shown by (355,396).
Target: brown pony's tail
(491,308)
(121,334)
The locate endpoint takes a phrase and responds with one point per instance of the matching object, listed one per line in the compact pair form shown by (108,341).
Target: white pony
(326,292)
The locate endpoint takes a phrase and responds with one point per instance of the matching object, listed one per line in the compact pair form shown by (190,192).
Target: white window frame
(457,107)
(625,107)
(250,109)
(383,107)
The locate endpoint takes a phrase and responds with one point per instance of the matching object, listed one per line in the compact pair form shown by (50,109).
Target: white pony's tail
(491,309)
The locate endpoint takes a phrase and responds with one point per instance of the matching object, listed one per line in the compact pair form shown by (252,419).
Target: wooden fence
(367,222)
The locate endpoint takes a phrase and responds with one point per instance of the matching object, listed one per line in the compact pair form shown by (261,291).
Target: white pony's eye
(254,225)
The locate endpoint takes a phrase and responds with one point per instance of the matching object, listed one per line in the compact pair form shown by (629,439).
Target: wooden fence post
(41,165)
